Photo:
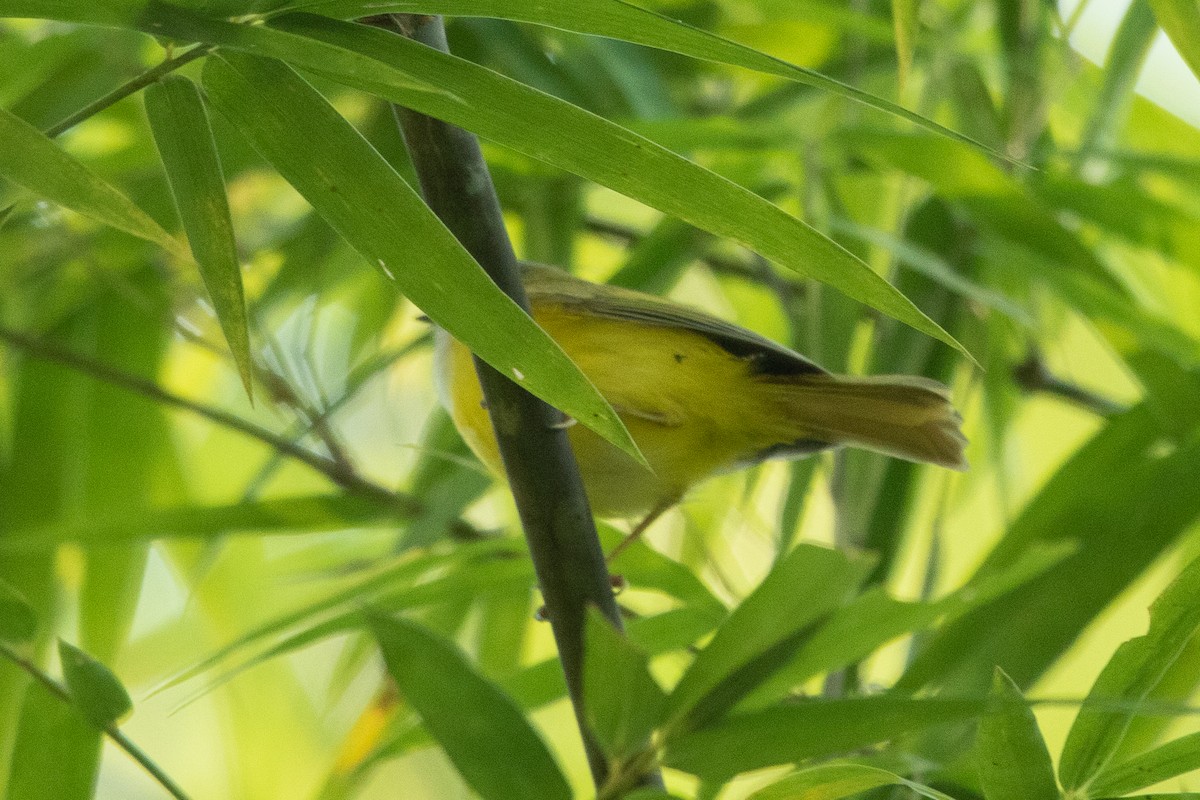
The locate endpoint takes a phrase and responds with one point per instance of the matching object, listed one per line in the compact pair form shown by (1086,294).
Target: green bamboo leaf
(371,206)
(624,703)
(996,201)
(763,631)
(1170,760)
(1181,21)
(1107,498)
(95,691)
(1014,763)
(481,729)
(1126,55)
(617,19)
(181,130)
(543,127)
(806,729)
(873,619)
(1132,672)
(835,781)
(569,137)
(18,620)
(30,159)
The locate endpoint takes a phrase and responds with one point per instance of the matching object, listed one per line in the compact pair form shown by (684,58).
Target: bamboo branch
(1032,375)
(538,459)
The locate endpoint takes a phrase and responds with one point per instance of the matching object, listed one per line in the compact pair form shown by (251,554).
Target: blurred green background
(193,558)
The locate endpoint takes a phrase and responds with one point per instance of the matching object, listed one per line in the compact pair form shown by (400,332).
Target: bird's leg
(641,527)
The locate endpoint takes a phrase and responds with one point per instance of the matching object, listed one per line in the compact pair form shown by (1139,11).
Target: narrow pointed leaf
(181,130)
(95,691)
(1014,763)
(30,159)
(835,781)
(807,729)
(481,729)
(807,584)
(568,137)
(617,19)
(1132,672)
(623,702)
(1181,21)
(1154,766)
(541,126)
(382,217)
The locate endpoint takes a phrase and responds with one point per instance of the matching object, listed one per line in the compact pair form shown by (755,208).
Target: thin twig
(358,378)
(111,730)
(1032,375)
(349,480)
(129,87)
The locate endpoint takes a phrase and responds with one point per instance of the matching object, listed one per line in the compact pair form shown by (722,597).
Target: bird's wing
(546,283)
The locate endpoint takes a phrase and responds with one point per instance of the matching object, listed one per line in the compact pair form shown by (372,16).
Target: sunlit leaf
(835,781)
(763,630)
(1167,761)
(807,729)
(1014,763)
(189,155)
(31,160)
(1130,674)
(481,729)
(95,691)
(1181,20)
(362,197)
(623,701)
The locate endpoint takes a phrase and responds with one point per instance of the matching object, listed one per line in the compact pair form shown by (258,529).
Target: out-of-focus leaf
(18,620)
(410,570)
(1108,498)
(1124,209)
(806,729)
(481,729)
(362,197)
(95,691)
(53,741)
(1132,672)
(1181,21)
(904,20)
(621,20)
(315,513)
(763,630)
(543,127)
(873,619)
(995,201)
(181,130)
(31,160)
(1154,766)
(1014,763)
(835,781)
(1126,55)
(566,136)
(624,703)
(650,794)
(935,268)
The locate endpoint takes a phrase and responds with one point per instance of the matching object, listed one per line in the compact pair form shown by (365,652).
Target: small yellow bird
(700,396)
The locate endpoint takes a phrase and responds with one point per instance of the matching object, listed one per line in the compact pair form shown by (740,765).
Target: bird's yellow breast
(682,397)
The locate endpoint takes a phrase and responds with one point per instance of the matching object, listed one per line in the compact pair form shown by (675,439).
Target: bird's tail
(903,416)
